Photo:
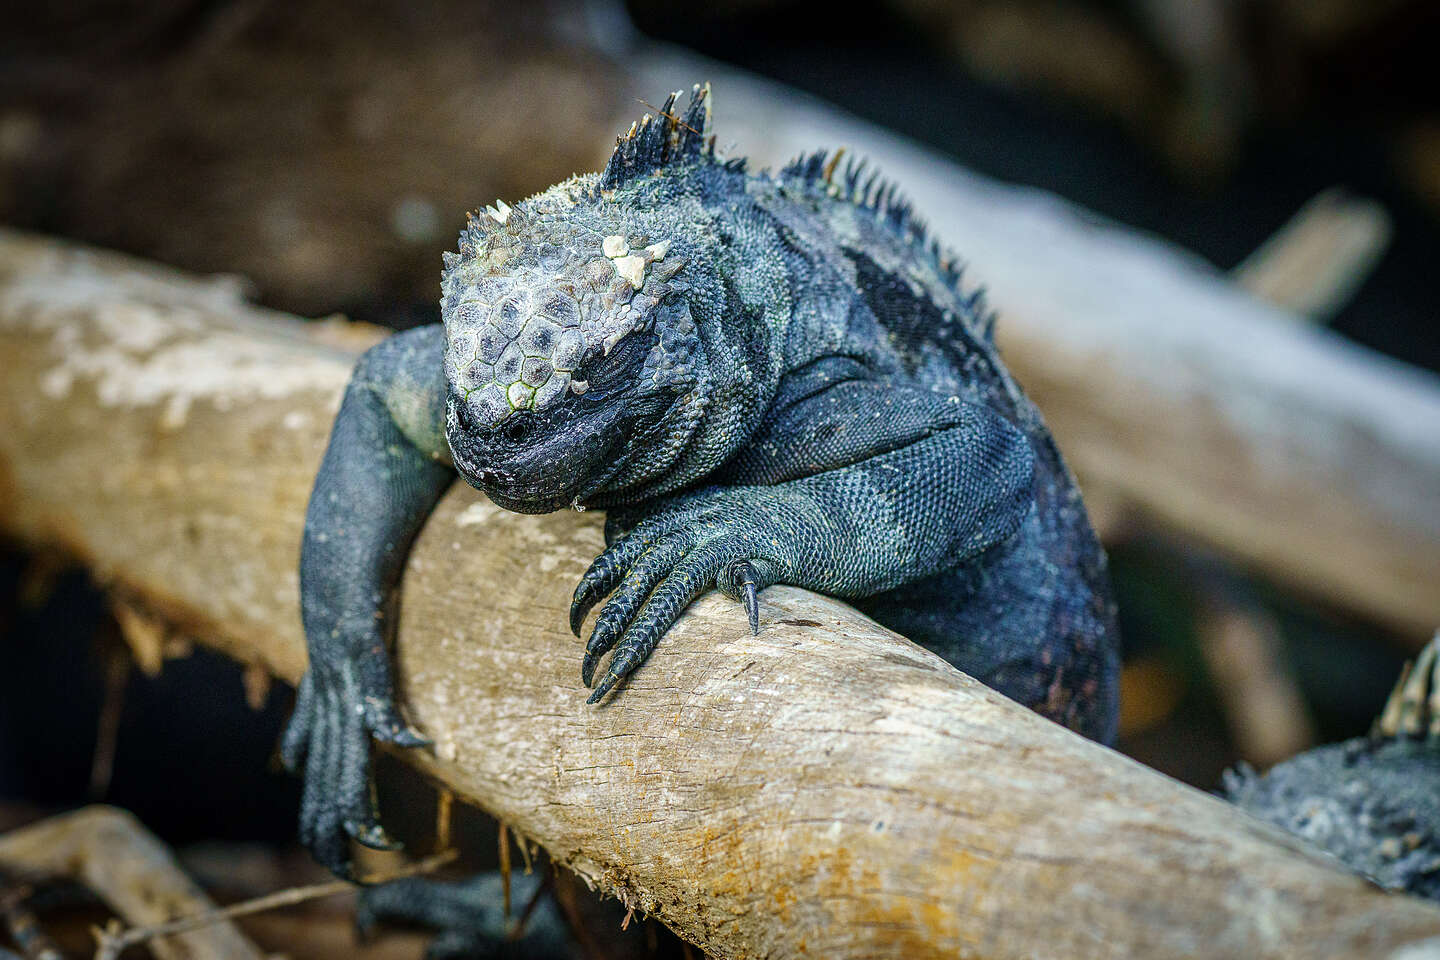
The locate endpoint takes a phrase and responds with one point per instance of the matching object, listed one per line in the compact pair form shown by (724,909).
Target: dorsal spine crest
(869,191)
(653,143)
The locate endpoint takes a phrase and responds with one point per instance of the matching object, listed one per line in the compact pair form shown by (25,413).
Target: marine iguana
(1372,802)
(762,378)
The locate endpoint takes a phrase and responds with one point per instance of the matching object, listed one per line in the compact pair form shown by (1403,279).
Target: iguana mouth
(539,476)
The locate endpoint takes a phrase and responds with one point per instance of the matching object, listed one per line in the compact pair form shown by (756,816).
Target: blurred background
(327,151)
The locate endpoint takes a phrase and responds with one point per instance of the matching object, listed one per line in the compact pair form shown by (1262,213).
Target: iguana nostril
(460,409)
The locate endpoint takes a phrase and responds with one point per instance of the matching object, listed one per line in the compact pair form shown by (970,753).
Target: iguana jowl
(762,379)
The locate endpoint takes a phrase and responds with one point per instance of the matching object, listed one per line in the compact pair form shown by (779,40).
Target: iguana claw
(745,573)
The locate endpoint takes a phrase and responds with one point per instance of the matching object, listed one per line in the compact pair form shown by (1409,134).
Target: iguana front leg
(384,470)
(851,490)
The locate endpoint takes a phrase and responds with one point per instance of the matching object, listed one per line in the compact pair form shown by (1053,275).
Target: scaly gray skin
(1371,802)
(762,379)
(470,917)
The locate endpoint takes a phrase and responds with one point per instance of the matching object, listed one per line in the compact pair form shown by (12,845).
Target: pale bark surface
(824,789)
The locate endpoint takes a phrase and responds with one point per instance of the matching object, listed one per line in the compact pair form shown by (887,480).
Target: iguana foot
(468,916)
(737,539)
(1413,708)
(336,714)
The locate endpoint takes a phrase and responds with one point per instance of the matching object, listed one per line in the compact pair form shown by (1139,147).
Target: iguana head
(571,355)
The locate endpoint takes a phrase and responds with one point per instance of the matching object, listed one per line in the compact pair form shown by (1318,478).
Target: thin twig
(444,807)
(504,838)
(523,842)
(110,944)
(107,734)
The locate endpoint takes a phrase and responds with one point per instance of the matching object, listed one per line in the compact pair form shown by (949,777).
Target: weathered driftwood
(823,789)
(110,852)
(1174,393)
(1313,265)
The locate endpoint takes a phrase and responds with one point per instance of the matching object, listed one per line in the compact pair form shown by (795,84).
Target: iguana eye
(604,370)
(516,429)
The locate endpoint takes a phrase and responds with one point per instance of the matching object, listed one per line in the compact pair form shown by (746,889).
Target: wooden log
(824,789)
(112,854)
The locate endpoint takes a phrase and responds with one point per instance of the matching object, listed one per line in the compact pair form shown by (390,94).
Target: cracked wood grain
(824,789)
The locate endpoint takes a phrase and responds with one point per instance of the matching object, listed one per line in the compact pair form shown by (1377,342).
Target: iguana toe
(743,582)
(330,735)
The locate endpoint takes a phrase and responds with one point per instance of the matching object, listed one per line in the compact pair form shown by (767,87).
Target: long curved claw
(609,569)
(580,606)
(611,678)
(609,626)
(648,570)
(745,573)
(682,583)
(387,725)
(597,581)
(588,664)
(631,654)
(338,712)
(662,564)
(743,580)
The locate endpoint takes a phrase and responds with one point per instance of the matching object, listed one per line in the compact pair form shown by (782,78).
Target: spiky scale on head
(512,319)
(579,299)
(525,305)
(583,281)
(533,284)
(653,143)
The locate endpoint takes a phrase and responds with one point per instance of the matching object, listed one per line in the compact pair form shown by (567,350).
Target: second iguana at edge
(762,379)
